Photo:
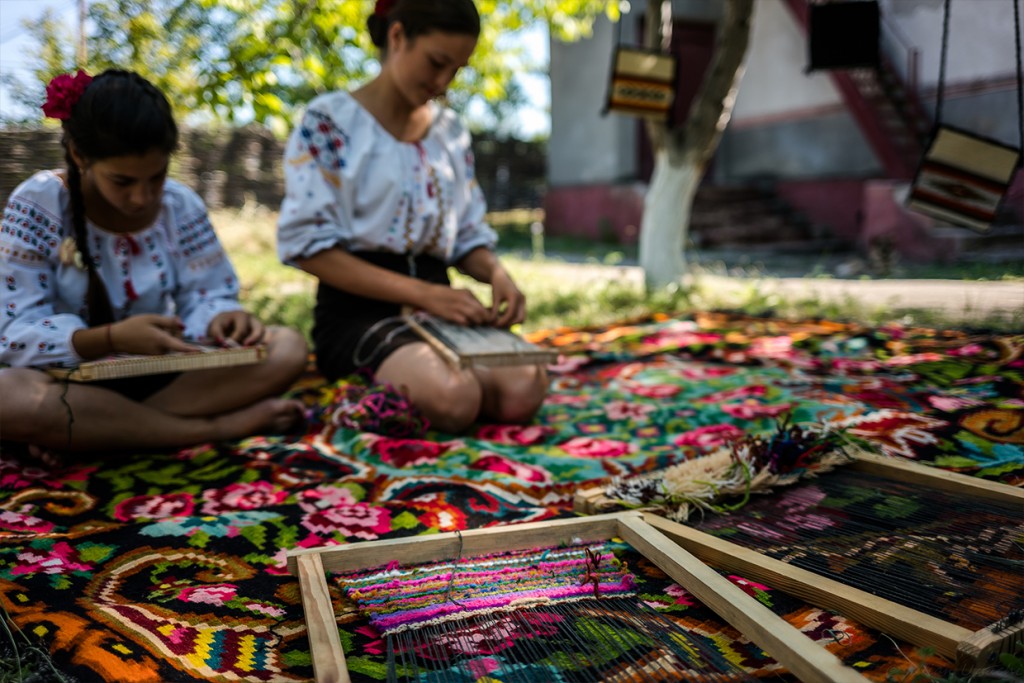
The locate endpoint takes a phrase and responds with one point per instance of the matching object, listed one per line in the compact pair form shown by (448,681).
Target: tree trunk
(681,154)
(667,207)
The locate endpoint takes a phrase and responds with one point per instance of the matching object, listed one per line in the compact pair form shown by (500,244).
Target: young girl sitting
(110,256)
(380,200)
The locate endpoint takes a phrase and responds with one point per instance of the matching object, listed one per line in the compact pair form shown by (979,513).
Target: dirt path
(968,301)
(963,301)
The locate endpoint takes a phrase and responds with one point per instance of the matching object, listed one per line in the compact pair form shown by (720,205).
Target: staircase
(887,112)
(902,120)
(754,218)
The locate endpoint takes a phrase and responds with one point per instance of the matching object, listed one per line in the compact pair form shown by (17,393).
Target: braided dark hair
(419,17)
(119,114)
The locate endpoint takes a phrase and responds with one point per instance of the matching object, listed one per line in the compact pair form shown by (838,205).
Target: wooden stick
(933,477)
(321,624)
(447,546)
(116,367)
(467,345)
(809,661)
(587,501)
(594,499)
(442,349)
(976,650)
(878,613)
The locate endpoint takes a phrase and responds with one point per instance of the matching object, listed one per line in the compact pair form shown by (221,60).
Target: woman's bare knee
(25,397)
(516,394)
(450,399)
(453,405)
(289,355)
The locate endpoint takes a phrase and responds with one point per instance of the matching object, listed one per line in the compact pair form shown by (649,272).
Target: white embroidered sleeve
(316,211)
(33,332)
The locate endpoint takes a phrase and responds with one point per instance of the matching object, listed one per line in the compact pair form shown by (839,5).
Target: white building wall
(775,81)
(980,37)
(980,66)
(587,147)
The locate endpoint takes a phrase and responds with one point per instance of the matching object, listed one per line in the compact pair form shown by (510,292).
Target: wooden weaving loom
(807,660)
(462,346)
(969,647)
(130,365)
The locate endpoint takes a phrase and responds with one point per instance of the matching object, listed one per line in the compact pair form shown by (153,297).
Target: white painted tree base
(666,221)
(681,154)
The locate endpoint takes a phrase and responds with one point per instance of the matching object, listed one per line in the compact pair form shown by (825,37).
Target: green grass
(987,272)
(516,236)
(578,287)
(22,660)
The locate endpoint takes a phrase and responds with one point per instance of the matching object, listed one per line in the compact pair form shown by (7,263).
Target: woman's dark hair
(119,114)
(419,17)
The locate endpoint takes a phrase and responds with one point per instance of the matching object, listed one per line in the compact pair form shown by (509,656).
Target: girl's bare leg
(453,399)
(514,394)
(211,392)
(39,410)
(450,399)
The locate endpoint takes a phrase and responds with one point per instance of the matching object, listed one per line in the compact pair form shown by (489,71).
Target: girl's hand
(148,334)
(508,305)
(236,328)
(456,305)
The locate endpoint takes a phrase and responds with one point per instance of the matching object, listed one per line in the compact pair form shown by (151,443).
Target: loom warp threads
(549,614)
(951,556)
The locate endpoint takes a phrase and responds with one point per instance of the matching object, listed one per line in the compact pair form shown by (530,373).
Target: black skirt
(352,333)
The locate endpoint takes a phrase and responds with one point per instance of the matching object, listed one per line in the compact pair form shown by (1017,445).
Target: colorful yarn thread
(558,615)
(398,599)
(377,408)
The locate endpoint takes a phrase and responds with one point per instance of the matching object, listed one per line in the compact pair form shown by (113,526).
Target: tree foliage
(262,60)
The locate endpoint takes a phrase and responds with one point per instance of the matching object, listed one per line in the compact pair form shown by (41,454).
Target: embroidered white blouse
(351,184)
(176,266)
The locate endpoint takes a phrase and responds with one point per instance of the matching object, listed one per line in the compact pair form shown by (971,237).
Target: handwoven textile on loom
(557,614)
(951,556)
(170,566)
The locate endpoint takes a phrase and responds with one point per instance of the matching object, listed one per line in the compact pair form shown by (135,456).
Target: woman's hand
(148,334)
(233,328)
(457,305)
(508,305)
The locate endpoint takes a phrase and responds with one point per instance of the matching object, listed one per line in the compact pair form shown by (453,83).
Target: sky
(15,44)
(16,49)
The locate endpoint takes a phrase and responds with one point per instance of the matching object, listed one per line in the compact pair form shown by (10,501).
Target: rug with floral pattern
(170,566)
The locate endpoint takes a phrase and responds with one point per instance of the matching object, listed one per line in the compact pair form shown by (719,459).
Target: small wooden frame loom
(116,367)
(807,660)
(970,649)
(462,346)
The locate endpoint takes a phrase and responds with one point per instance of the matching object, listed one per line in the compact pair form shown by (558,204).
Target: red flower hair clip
(63,92)
(383,8)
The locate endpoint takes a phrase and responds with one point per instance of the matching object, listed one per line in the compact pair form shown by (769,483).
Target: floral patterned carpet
(170,566)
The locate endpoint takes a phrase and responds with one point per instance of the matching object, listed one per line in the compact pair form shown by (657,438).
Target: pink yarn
(397,599)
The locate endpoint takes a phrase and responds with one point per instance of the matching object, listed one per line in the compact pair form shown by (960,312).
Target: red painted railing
(899,161)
